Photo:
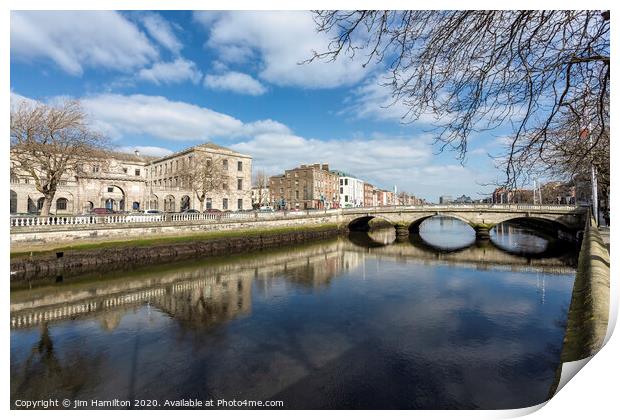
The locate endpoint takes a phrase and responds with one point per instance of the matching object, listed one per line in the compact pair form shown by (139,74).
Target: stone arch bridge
(481,218)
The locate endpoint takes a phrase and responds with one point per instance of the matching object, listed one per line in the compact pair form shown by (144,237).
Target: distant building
(351,190)
(390,198)
(369,195)
(464,199)
(445,199)
(305,187)
(512,196)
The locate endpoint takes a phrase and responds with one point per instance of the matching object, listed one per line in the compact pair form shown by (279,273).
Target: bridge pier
(482,231)
(402,230)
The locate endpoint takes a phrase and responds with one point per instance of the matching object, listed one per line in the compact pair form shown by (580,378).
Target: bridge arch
(557,221)
(362,223)
(414,225)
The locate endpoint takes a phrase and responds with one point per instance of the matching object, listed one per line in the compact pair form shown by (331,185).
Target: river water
(361,321)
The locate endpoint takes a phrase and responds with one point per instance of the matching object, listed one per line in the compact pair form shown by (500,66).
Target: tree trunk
(202,203)
(47,204)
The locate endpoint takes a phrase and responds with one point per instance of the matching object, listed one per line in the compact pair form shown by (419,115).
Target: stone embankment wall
(588,315)
(78,261)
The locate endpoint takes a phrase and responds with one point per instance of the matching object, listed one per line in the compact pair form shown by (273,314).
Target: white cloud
(18,100)
(160,30)
(236,82)
(146,150)
(407,162)
(374,99)
(157,116)
(78,39)
(176,71)
(280,41)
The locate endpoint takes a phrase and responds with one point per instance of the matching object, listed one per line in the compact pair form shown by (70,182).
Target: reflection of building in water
(313,270)
(215,302)
(196,296)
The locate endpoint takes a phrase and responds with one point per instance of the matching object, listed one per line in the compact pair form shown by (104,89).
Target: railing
(26,221)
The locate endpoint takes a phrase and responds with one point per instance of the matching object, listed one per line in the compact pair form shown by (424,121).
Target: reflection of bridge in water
(212,291)
(482,255)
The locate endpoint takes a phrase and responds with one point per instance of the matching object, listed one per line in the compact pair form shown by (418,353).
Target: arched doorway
(169,203)
(185,203)
(113,198)
(13,202)
(89,206)
(135,205)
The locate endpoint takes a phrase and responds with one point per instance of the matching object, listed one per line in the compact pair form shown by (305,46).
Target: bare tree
(49,141)
(206,174)
(534,72)
(261,182)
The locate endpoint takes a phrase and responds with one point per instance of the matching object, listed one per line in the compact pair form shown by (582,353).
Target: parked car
(267,209)
(190,211)
(212,211)
(102,211)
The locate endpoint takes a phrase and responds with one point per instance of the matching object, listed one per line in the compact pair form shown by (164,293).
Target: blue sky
(162,81)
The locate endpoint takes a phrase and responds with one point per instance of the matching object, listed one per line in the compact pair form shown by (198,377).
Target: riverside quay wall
(588,316)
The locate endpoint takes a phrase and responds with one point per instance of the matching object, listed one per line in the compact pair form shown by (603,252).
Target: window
(225,164)
(62,182)
(61,204)
(124,170)
(346,181)
(346,198)
(341,190)
(14,179)
(209,203)
(240,204)
(137,172)
(225,204)
(225,186)
(110,189)
(95,168)
(240,184)
(297,195)
(341,181)
(240,166)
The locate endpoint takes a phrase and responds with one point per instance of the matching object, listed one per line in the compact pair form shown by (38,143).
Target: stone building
(305,187)
(131,182)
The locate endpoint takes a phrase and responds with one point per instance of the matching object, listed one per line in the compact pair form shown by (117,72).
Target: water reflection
(447,233)
(359,322)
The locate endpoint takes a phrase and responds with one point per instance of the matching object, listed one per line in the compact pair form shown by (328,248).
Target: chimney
(325,167)
(137,152)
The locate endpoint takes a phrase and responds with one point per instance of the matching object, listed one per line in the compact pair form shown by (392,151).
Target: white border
(592,394)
